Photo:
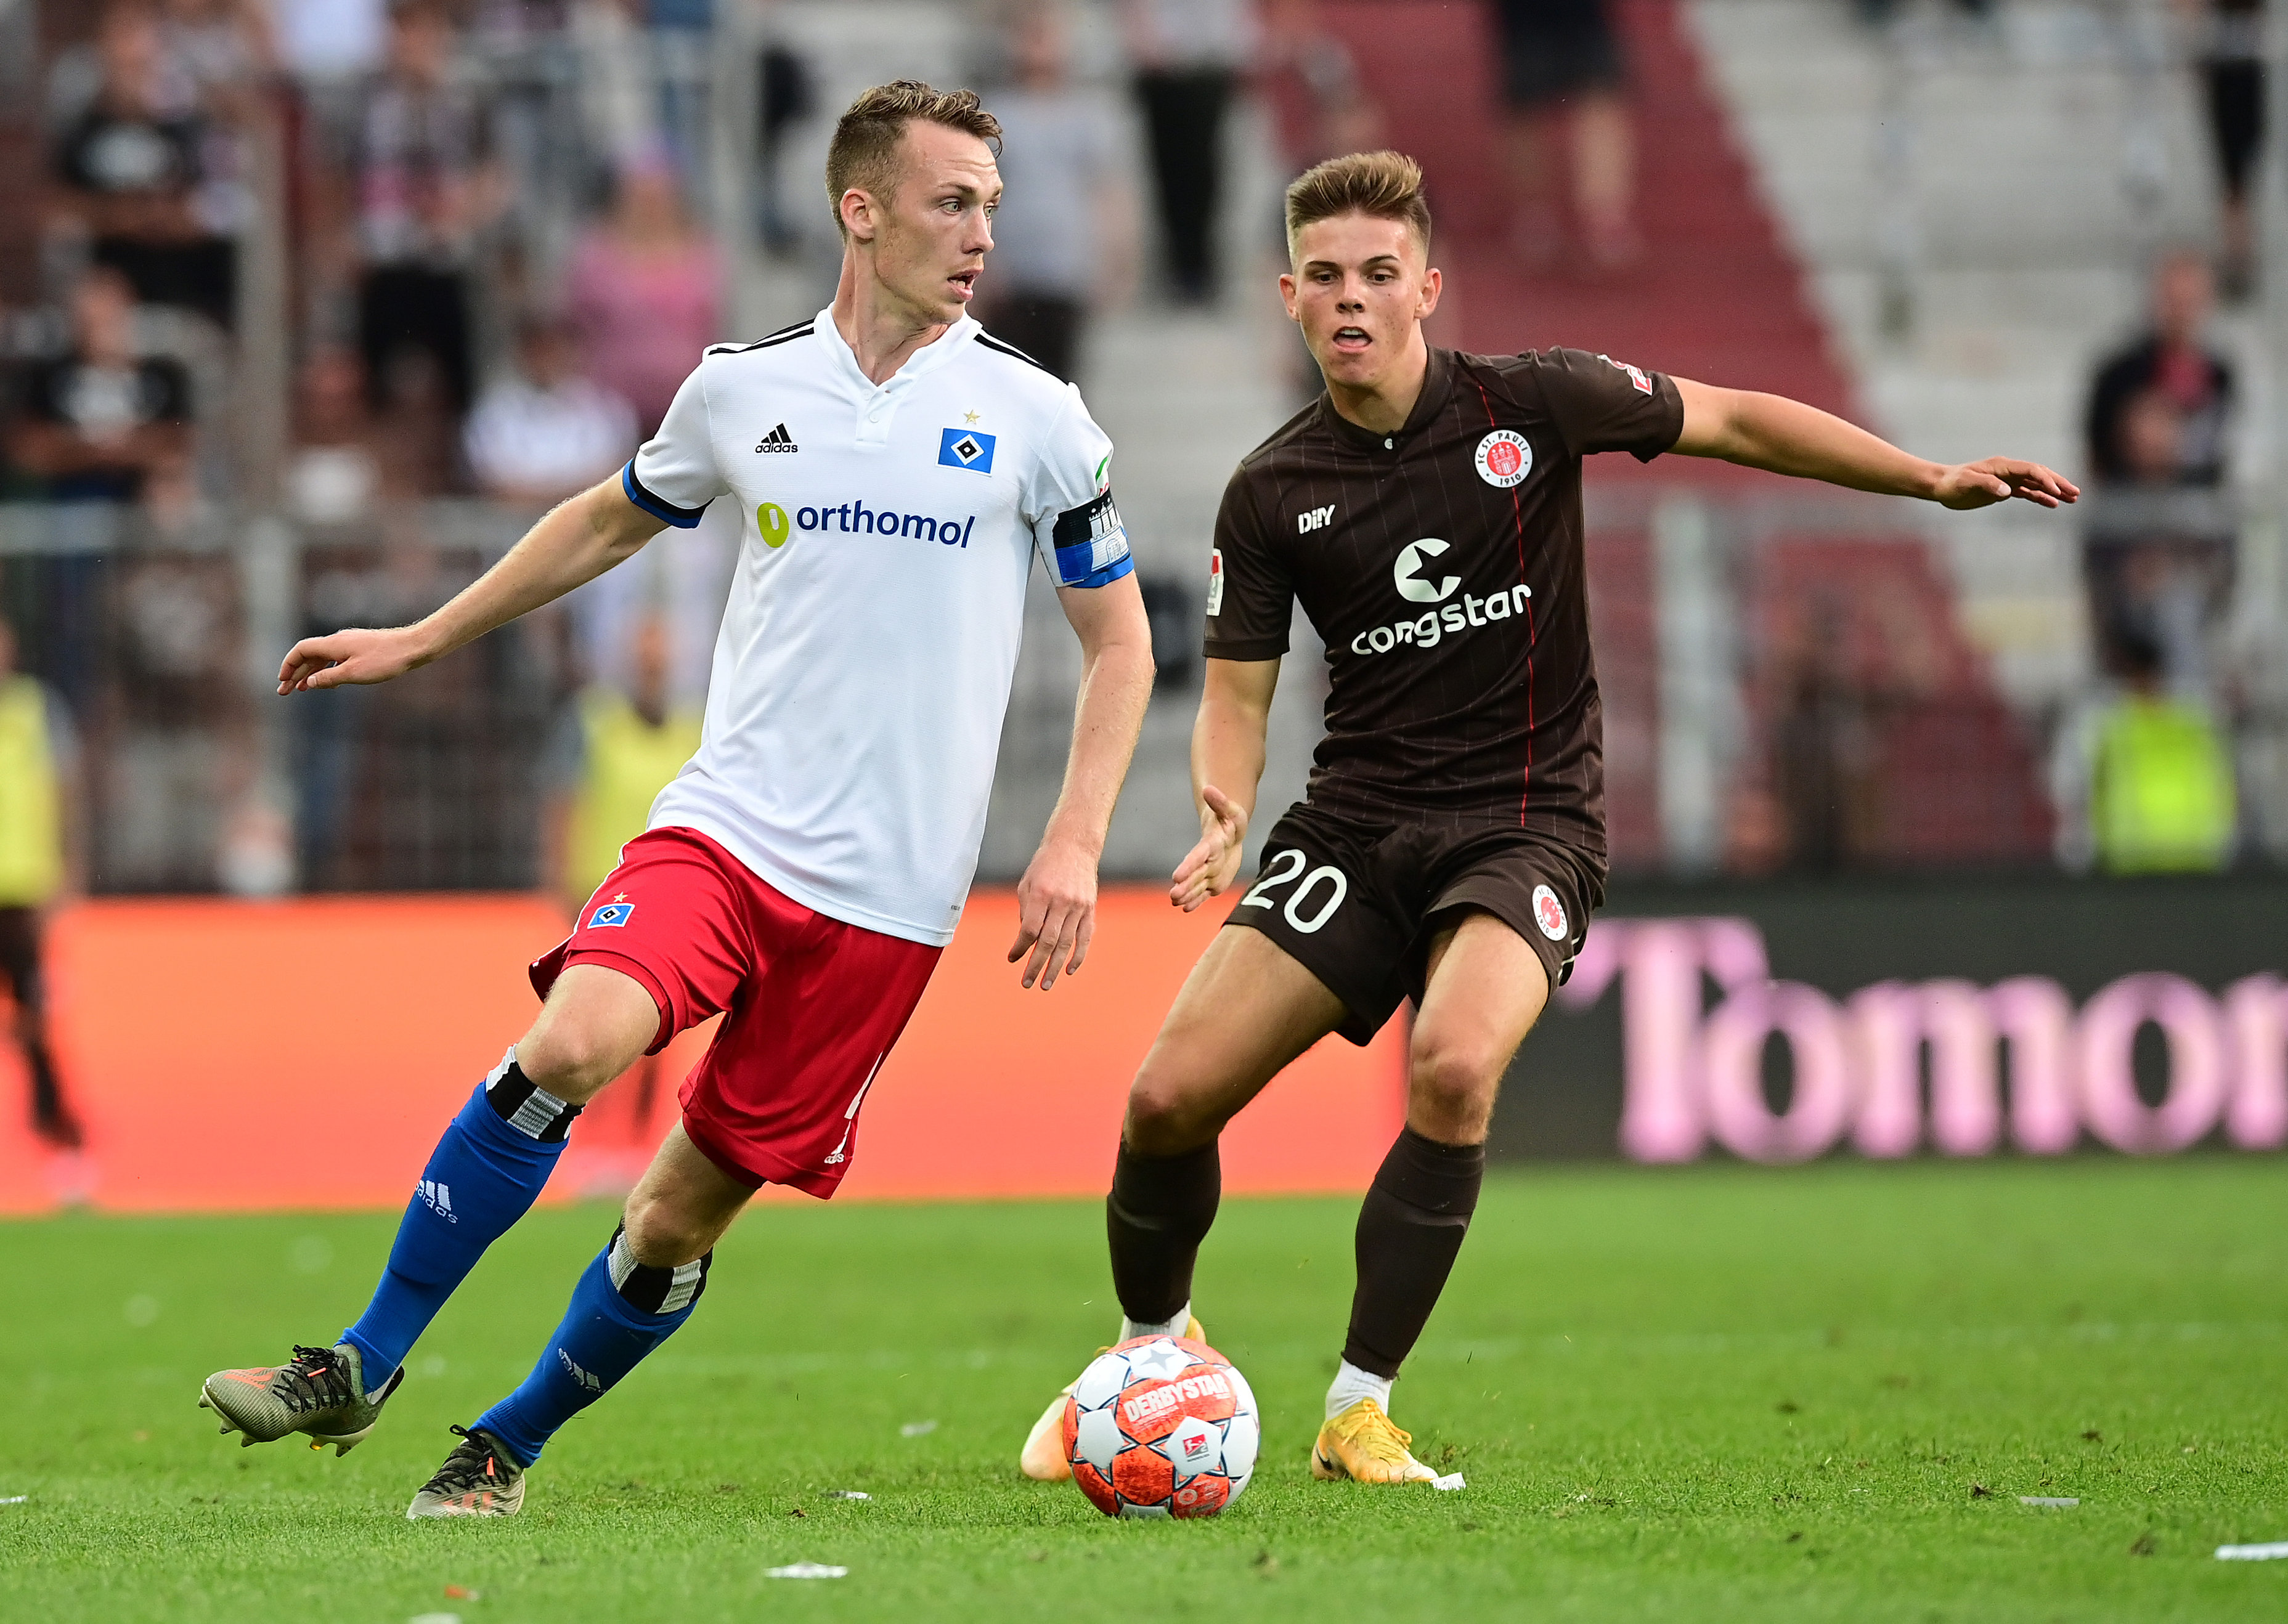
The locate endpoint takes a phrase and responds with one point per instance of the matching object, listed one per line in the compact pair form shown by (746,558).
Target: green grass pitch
(1706,1394)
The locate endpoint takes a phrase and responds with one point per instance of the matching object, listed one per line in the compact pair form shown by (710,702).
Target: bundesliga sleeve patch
(1092,546)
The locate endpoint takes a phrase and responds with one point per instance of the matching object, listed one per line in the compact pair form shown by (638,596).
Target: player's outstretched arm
(1056,899)
(1784,436)
(578,540)
(1227,749)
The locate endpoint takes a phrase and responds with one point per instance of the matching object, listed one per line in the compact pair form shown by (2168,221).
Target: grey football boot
(319,1391)
(480,1478)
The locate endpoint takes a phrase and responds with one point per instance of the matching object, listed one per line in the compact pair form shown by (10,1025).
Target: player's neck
(1383,406)
(882,330)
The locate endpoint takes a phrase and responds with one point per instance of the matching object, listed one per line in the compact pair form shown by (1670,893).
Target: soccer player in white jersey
(898,470)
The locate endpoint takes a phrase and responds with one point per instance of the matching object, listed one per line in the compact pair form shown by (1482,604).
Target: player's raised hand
(1212,865)
(1056,912)
(1999,478)
(354,657)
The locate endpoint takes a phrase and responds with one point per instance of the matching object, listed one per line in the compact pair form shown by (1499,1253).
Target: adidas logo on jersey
(778,440)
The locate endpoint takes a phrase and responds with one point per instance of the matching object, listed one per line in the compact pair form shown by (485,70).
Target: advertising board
(1967,1016)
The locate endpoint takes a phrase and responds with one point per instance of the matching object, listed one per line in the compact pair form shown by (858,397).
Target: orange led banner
(228,1056)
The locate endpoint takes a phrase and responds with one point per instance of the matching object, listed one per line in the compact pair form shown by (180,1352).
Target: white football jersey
(854,714)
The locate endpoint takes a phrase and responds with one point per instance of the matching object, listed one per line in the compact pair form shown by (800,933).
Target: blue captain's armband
(659,507)
(1092,548)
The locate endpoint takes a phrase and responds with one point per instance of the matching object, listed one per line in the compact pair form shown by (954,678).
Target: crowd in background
(505,231)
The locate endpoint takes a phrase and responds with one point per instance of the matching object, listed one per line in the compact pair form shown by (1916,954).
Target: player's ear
(1287,295)
(1432,284)
(857,212)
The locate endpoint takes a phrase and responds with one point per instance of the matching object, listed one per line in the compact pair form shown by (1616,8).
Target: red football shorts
(810,1005)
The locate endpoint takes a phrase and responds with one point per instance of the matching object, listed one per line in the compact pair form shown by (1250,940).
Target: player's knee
(1452,1077)
(573,1056)
(1165,1118)
(664,1231)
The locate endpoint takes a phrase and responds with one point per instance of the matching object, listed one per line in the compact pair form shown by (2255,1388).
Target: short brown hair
(864,153)
(1382,185)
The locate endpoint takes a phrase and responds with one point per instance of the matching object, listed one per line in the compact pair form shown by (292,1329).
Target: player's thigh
(1246,1009)
(596,1023)
(682,1204)
(1484,988)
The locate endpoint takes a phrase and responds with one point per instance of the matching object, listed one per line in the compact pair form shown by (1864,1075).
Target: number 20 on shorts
(1283,871)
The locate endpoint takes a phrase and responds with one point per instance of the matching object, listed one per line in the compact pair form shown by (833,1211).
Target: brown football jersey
(1442,566)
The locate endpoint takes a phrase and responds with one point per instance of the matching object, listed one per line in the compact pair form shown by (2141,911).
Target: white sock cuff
(1352,1384)
(1132,1329)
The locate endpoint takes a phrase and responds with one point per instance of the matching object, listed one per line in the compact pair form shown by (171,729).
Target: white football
(1161,1426)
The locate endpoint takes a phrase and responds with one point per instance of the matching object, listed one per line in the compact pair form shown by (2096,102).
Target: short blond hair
(864,151)
(1382,185)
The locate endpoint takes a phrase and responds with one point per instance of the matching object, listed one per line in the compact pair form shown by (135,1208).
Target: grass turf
(1705,1394)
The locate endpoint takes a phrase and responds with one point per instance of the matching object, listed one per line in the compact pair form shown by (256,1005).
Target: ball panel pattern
(1143,1477)
(1161,1426)
(1099,1492)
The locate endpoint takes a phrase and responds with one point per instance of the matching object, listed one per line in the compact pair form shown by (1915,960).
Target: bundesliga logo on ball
(1161,1426)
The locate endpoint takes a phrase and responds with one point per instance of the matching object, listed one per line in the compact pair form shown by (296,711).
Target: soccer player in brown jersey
(1425,510)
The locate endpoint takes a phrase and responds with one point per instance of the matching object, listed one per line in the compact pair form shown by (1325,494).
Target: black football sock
(1159,1212)
(1410,1230)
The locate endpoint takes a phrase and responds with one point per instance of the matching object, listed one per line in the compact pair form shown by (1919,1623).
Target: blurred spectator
(615,93)
(2159,539)
(612,754)
(786,93)
(40,867)
(225,46)
(1562,79)
(2145,783)
(335,472)
(142,174)
(681,34)
(1825,781)
(2172,358)
(548,433)
(91,424)
(176,745)
(1065,229)
(2231,58)
(645,291)
(426,186)
(1188,55)
(1319,104)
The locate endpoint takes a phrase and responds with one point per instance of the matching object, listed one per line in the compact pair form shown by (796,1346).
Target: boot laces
(1374,1434)
(314,1379)
(475,1463)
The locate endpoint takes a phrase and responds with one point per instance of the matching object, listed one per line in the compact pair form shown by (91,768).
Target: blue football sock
(483,1175)
(621,1311)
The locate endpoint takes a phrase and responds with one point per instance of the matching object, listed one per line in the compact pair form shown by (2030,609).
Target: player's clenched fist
(352,656)
(1214,862)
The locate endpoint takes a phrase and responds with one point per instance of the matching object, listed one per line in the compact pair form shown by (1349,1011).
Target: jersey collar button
(1387,442)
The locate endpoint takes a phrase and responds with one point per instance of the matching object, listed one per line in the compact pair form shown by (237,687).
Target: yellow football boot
(1364,1445)
(1042,1458)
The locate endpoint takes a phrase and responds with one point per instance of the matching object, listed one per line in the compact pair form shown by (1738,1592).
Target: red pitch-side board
(229,1056)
